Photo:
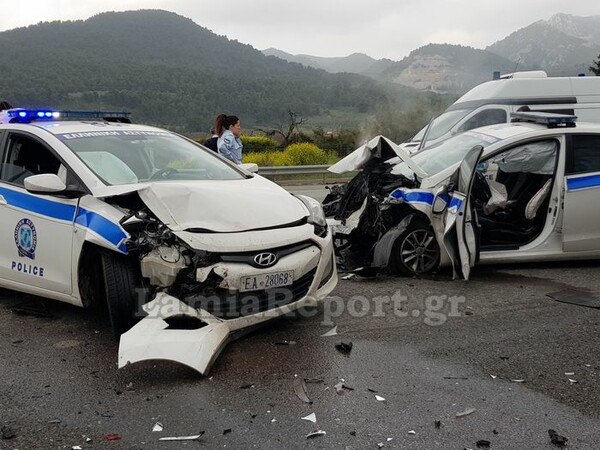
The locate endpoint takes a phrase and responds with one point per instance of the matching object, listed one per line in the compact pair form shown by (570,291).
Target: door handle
(3,201)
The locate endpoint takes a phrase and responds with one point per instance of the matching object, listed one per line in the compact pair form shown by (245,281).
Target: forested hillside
(169,71)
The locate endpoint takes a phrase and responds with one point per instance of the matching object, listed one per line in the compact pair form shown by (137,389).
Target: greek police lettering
(27,268)
(87,134)
(26,238)
(144,133)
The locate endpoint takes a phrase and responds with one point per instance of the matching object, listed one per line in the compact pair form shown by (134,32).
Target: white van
(493,101)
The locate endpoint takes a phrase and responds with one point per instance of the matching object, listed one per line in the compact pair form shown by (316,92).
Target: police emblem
(26,238)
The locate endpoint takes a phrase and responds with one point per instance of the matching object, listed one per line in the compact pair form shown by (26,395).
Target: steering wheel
(162,173)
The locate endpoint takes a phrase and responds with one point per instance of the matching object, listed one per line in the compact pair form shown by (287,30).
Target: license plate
(266,281)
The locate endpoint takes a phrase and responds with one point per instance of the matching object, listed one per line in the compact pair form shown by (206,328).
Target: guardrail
(312,174)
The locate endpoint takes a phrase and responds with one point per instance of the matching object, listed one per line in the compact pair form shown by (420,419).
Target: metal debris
(300,390)
(312,417)
(379,398)
(341,387)
(557,439)
(194,437)
(331,332)
(158,427)
(466,412)
(315,434)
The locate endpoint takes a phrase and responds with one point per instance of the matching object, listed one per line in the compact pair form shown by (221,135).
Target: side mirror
(44,183)
(440,201)
(49,184)
(250,167)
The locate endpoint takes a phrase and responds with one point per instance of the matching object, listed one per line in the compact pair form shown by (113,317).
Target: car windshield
(446,153)
(133,156)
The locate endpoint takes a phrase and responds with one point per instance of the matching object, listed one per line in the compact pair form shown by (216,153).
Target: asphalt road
(496,346)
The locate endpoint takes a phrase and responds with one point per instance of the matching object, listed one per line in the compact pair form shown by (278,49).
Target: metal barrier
(276,173)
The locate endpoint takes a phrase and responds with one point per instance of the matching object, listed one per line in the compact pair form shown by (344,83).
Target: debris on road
(38,309)
(572,381)
(315,434)
(341,387)
(194,437)
(438,424)
(349,276)
(247,386)
(312,417)
(483,443)
(284,342)
(300,390)
(7,432)
(466,412)
(331,332)
(412,432)
(557,439)
(518,381)
(76,447)
(344,347)
(112,437)
(379,398)
(158,427)
(226,431)
(314,380)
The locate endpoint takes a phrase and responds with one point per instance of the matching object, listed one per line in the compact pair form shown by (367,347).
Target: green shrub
(305,153)
(258,143)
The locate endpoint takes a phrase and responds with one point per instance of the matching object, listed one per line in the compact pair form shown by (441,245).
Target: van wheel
(120,283)
(415,251)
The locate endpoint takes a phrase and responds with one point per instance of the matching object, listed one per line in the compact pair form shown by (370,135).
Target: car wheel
(416,250)
(122,291)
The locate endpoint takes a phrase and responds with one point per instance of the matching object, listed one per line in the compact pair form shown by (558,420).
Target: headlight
(316,214)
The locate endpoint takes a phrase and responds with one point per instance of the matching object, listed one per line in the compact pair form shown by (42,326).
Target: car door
(36,231)
(460,233)
(581,191)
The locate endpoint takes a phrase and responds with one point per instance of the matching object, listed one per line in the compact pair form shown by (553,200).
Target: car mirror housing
(250,167)
(49,183)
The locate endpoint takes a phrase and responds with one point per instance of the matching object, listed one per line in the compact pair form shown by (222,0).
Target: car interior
(511,194)
(26,157)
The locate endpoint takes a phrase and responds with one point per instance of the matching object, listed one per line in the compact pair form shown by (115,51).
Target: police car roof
(74,126)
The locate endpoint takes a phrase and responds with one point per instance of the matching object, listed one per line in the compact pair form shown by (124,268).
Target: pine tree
(595,69)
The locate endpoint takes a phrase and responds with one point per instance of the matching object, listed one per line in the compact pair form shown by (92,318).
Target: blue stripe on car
(413,196)
(583,182)
(108,230)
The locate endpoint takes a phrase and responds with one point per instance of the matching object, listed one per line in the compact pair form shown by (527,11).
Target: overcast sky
(380,28)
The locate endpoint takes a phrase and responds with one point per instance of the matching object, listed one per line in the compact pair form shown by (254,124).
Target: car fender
(383,248)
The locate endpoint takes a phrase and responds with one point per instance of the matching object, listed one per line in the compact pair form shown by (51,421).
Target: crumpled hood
(378,147)
(222,205)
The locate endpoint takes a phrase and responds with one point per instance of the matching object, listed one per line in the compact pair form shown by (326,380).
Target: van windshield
(444,123)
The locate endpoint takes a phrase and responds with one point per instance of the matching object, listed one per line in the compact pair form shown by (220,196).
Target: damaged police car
(512,192)
(157,227)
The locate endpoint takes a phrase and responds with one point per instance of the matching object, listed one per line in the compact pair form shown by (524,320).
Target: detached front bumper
(207,326)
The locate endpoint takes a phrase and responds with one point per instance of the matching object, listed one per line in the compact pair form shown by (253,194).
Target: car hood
(378,147)
(222,206)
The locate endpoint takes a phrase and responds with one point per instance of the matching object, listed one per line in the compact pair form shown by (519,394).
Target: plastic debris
(76,447)
(380,445)
(112,437)
(300,390)
(494,377)
(569,373)
(331,332)
(572,381)
(194,437)
(344,347)
(226,431)
(315,434)
(557,439)
(374,391)
(379,398)
(157,427)
(349,276)
(273,420)
(412,432)
(341,387)
(246,386)
(482,443)
(466,412)
(7,432)
(518,381)
(312,417)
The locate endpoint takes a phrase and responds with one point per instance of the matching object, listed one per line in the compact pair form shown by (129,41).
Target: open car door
(460,231)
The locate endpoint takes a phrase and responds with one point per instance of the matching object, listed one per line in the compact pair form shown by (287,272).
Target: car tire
(415,251)
(122,291)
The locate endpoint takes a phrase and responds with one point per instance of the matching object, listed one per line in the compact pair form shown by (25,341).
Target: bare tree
(595,69)
(287,131)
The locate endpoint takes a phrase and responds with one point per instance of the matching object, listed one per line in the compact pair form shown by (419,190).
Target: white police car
(99,210)
(512,192)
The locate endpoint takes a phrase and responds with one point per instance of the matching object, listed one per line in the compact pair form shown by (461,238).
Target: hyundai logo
(265,259)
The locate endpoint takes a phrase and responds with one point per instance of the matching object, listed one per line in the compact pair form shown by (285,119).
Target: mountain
(563,45)
(168,71)
(354,63)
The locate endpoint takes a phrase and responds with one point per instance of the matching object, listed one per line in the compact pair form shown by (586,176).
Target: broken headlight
(316,215)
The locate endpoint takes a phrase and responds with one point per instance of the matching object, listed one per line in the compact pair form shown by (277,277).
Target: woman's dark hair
(223,122)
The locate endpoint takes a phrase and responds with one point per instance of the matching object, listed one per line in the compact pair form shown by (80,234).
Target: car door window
(25,156)
(584,154)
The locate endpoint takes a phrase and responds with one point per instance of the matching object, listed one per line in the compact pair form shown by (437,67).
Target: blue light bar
(21,115)
(551,120)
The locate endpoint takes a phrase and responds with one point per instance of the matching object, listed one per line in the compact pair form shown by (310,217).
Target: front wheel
(416,250)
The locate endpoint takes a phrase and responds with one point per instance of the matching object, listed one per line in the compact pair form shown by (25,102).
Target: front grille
(280,252)
(226,305)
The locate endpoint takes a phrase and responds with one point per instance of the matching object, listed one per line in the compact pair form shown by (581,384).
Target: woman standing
(229,143)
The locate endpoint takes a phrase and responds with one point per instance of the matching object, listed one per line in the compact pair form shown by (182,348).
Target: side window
(583,155)
(483,118)
(24,157)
